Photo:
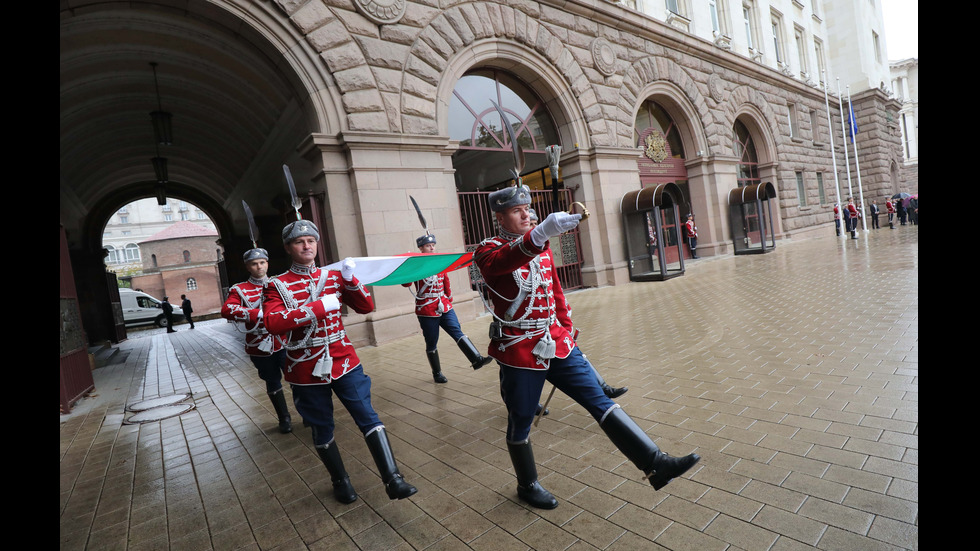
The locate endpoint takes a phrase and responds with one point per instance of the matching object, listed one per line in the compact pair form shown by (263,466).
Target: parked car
(140,308)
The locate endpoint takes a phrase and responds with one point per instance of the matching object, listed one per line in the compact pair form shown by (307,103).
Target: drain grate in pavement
(143,405)
(155,409)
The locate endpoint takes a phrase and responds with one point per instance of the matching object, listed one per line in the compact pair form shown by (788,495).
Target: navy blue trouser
(521,391)
(430,329)
(270,369)
(315,404)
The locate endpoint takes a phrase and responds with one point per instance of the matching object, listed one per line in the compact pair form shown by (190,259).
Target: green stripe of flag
(414,267)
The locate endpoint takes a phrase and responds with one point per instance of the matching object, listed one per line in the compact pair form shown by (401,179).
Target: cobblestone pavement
(794,374)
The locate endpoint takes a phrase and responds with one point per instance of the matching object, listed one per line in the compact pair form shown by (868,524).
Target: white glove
(347,269)
(330,302)
(555,224)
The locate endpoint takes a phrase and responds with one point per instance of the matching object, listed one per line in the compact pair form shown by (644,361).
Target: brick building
(182,260)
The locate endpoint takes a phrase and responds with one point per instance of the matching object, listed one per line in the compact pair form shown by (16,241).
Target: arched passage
(243,88)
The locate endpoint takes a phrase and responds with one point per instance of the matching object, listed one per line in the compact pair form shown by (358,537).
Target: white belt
(528,324)
(316,341)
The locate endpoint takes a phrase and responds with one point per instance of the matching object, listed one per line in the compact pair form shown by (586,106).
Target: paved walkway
(794,374)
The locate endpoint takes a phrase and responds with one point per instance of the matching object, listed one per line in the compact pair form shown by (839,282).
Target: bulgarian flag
(404,268)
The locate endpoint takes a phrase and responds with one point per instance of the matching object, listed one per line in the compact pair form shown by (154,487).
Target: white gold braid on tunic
(526,285)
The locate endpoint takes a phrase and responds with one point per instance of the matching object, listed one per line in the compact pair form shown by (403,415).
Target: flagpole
(857,165)
(843,124)
(833,154)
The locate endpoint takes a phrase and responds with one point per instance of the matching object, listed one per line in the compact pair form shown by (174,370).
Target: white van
(140,308)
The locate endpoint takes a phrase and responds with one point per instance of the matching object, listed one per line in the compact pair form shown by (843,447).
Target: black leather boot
(630,439)
(282,412)
(528,488)
(343,491)
(609,391)
(395,485)
(538,411)
(476,359)
(437,375)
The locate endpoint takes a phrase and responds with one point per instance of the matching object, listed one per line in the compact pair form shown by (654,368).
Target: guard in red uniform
(244,304)
(531,339)
(303,305)
(434,308)
(837,218)
(852,212)
(890,207)
(691,232)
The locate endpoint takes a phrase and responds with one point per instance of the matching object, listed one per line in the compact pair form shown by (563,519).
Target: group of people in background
(907,209)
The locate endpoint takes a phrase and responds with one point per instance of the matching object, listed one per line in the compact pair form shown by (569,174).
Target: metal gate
(479,224)
(75,372)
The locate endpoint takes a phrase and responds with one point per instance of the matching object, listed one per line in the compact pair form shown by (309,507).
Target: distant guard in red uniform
(244,304)
(303,305)
(890,207)
(532,340)
(434,308)
(691,232)
(852,212)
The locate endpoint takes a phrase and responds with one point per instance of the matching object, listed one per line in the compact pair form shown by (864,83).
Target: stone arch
(662,77)
(531,68)
(350,85)
(96,220)
(747,101)
(504,37)
(684,113)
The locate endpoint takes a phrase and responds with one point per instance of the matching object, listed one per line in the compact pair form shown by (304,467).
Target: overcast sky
(901,28)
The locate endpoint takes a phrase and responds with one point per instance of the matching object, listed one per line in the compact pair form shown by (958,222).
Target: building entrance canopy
(750,212)
(651,221)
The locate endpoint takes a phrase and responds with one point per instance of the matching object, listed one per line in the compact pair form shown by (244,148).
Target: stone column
(710,179)
(367,178)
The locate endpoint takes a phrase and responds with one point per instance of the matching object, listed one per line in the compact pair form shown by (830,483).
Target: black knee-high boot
(343,491)
(630,439)
(282,411)
(437,375)
(476,359)
(528,488)
(395,485)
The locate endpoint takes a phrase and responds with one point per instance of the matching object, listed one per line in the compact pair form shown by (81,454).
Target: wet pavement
(793,374)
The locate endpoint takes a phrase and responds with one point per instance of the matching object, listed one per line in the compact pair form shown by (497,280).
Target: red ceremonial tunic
(852,210)
(692,230)
(836,213)
(244,304)
(890,207)
(292,311)
(433,298)
(514,268)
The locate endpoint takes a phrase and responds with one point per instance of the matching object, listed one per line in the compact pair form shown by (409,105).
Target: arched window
(187,256)
(652,115)
(153,259)
(191,284)
(748,161)
(132,253)
(485,157)
(112,256)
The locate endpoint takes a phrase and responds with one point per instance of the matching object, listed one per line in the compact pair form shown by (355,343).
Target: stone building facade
(369,93)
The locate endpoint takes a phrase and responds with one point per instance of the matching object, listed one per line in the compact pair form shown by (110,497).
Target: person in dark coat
(185,305)
(168,313)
